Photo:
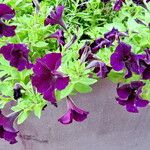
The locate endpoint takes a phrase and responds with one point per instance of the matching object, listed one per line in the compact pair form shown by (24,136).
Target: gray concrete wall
(108,127)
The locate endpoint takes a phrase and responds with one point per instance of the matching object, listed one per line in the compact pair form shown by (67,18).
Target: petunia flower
(55,17)
(17,55)
(145,65)
(6,30)
(6,13)
(73,113)
(114,34)
(129,96)
(118,4)
(100,68)
(59,35)
(46,78)
(7,130)
(123,58)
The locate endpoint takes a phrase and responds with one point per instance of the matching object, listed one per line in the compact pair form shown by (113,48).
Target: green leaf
(82,88)
(38,110)
(23,116)
(87,81)
(62,94)
(116,77)
(41,44)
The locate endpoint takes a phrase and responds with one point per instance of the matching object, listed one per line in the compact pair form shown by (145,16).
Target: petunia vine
(52,50)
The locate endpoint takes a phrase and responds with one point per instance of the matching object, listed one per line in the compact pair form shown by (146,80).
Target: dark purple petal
(52,61)
(46,78)
(10,137)
(59,35)
(117,62)
(62,82)
(73,112)
(146,74)
(49,95)
(6,12)
(118,5)
(55,17)
(42,82)
(17,54)
(67,118)
(6,51)
(7,31)
(100,43)
(131,108)
(124,91)
(141,103)
(123,49)
(137,84)
(7,130)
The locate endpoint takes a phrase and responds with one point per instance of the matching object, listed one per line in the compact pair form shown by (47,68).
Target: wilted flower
(100,43)
(129,96)
(114,34)
(100,68)
(7,130)
(6,13)
(59,35)
(140,3)
(17,91)
(124,58)
(145,65)
(105,1)
(73,113)
(46,78)
(55,17)
(17,54)
(118,4)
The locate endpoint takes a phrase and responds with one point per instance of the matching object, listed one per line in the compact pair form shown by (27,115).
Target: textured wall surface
(108,127)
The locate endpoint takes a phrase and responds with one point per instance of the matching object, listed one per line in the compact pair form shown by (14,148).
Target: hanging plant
(51,50)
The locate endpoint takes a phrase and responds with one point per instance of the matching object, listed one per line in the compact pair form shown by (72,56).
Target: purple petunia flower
(114,34)
(6,13)
(7,130)
(129,96)
(145,65)
(100,68)
(6,30)
(59,35)
(55,17)
(118,4)
(73,113)
(124,58)
(17,54)
(46,78)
